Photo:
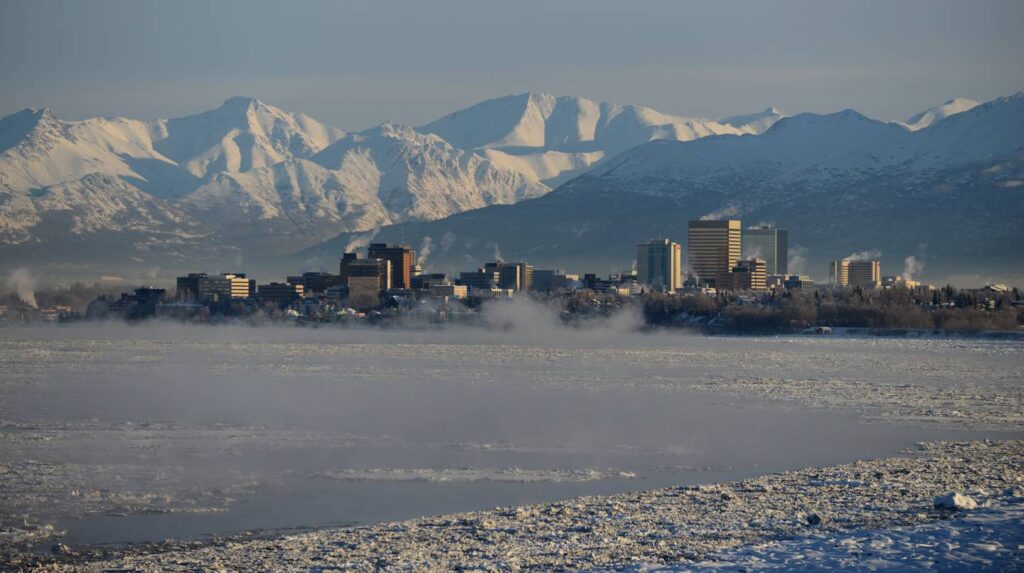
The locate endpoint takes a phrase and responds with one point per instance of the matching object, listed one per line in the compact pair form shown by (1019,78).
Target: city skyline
(520,285)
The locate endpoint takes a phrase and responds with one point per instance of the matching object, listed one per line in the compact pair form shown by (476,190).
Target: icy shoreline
(677,526)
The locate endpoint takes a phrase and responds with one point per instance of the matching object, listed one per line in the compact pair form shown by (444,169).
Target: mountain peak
(940,112)
(35,122)
(754,123)
(242,101)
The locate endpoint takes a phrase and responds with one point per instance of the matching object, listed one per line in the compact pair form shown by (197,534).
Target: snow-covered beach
(225,441)
(873,515)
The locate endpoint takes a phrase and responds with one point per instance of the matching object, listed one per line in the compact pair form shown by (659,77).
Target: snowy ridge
(244,169)
(241,135)
(274,182)
(824,174)
(846,141)
(754,123)
(940,112)
(552,138)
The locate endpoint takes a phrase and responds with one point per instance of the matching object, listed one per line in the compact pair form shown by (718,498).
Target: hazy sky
(356,64)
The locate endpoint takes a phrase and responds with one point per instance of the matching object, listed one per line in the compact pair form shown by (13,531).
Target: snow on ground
(870,514)
(989,539)
(82,434)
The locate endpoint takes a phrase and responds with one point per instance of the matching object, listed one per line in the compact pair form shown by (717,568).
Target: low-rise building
(545,280)
(315,282)
(202,287)
(748,275)
(480,279)
(280,294)
(513,276)
(848,272)
(449,291)
(865,274)
(423,281)
(798,281)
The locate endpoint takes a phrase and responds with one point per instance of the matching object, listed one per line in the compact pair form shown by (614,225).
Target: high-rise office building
(768,243)
(659,264)
(714,248)
(402,259)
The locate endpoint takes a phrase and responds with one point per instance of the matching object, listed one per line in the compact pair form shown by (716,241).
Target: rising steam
(731,210)
(424,251)
(798,260)
(24,285)
(868,255)
(361,241)
(912,266)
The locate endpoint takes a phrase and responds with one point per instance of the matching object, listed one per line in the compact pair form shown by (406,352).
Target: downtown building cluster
(720,256)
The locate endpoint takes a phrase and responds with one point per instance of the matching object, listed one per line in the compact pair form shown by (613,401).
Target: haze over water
(235,428)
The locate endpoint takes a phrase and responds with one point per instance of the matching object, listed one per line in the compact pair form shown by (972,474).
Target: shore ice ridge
(870,513)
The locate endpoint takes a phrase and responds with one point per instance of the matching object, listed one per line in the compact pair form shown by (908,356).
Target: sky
(358,64)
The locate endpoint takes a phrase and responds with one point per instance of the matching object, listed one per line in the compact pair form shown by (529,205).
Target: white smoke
(24,285)
(868,255)
(361,241)
(424,251)
(730,210)
(497,252)
(911,267)
(447,241)
(798,260)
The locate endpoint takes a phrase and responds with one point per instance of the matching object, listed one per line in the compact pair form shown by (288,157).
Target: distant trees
(946,309)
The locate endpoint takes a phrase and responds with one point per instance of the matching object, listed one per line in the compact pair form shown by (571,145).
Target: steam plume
(798,260)
(424,251)
(360,241)
(911,267)
(730,210)
(868,255)
(24,285)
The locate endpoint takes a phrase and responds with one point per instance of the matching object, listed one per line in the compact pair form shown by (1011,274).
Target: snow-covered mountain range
(248,180)
(939,112)
(251,174)
(948,194)
(552,139)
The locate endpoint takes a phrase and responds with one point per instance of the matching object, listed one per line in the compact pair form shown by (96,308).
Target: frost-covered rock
(955,502)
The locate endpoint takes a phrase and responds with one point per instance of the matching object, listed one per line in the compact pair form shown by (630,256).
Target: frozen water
(117,433)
